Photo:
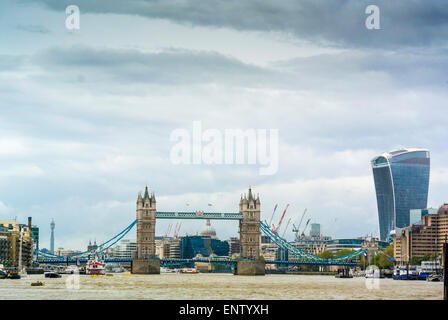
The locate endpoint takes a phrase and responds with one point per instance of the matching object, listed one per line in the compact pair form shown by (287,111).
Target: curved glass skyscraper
(401,183)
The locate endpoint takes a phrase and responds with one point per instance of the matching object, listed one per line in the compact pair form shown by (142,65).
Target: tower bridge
(249,225)
(250,228)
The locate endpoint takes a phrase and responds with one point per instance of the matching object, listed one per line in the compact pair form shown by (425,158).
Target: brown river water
(217,287)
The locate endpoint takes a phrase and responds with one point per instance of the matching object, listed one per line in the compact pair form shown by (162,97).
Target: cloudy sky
(86,115)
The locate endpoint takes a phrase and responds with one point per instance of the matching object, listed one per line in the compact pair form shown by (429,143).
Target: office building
(234,246)
(205,246)
(175,249)
(65,252)
(315,231)
(16,238)
(35,233)
(125,249)
(336,245)
(425,239)
(5,245)
(314,246)
(401,180)
(416,215)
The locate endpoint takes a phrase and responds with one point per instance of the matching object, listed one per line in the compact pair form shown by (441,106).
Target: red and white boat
(96,267)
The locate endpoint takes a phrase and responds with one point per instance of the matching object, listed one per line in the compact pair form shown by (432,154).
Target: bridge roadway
(199,215)
(230,263)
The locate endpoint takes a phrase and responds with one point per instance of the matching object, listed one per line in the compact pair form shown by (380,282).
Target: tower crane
(168,230)
(272,217)
(176,230)
(296,229)
(281,219)
(303,232)
(287,225)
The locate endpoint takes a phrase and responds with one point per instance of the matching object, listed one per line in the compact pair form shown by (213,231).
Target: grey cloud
(417,68)
(168,67)
(33,29)
(11,62)
(350,69)
(403,23)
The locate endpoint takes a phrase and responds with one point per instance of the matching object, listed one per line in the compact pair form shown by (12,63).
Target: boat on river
(187,270)
(95,267)
(52,275)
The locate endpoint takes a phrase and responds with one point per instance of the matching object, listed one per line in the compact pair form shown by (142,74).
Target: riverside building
(15,238)
(425,238)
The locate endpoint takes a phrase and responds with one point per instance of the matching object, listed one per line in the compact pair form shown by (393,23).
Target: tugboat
(95,267)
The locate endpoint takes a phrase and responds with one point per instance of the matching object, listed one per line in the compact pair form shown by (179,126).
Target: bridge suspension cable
(302,254)
(94,251)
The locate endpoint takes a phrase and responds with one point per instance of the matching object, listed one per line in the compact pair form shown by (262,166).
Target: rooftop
(385,157)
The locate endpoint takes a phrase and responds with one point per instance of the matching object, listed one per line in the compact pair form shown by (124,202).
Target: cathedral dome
(208,231)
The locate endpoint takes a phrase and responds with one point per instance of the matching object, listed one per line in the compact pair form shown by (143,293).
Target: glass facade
(416,215)
(401,183)
(205,246)
(35,233)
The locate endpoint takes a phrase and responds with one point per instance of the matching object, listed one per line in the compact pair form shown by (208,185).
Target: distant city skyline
(86,115)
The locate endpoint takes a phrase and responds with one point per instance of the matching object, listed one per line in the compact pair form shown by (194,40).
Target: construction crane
(176,230)
(287,225)
(303,232)
(168,230)
(295,229)
(281,219)
(272,217)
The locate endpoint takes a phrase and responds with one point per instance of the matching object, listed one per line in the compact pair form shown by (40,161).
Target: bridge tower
(250,234)
(146,261)
(372,248)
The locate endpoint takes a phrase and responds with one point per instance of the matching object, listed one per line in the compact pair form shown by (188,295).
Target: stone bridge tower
(372,248)
(250,234)
(146,261)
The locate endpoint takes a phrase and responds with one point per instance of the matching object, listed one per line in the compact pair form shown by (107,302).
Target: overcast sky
(86,115)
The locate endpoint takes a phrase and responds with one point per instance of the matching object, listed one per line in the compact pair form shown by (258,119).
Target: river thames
(217,287)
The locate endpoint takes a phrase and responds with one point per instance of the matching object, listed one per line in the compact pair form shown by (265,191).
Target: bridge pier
(250,268)
(145,266)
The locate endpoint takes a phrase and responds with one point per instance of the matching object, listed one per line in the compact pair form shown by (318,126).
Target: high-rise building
(416,215)
(52,225)
(401,182)
(423,239)
(315,230)
(35,233)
